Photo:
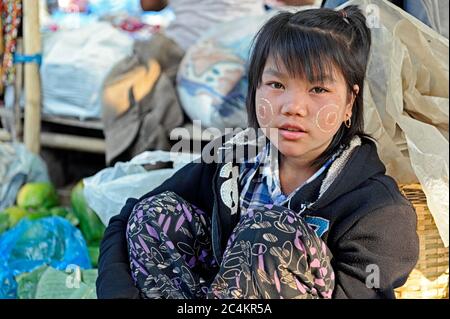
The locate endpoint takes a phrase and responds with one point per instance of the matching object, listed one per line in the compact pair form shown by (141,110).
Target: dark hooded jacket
(368,225)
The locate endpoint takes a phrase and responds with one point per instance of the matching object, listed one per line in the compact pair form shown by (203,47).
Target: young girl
(310,214)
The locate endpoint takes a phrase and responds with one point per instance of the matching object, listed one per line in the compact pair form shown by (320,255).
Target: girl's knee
(167,215)
(150,207)
(159,200)
(148,212)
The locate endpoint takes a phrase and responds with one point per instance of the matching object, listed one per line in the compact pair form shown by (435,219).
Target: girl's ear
(349,107)
(355,92)
(348,110)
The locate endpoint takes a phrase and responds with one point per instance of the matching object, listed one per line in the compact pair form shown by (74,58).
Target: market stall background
(55,205)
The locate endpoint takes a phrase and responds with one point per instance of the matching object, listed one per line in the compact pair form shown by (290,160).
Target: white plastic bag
(75,63)
(107,191)
(18,166)
(406,102)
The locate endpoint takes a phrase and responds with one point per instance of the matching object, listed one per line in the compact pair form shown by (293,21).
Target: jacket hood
(350,171)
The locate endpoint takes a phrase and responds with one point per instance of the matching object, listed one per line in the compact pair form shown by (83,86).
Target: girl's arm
(114,279)
(376,254)
(192,182)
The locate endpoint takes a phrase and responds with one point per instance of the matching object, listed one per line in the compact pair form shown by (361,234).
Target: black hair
(311,44)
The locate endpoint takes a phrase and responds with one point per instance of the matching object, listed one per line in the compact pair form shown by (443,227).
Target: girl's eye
(276,85)
(319,90)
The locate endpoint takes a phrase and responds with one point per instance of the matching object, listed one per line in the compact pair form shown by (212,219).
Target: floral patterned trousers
(272,253)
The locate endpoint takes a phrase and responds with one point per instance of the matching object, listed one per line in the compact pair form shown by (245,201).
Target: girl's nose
(294,106)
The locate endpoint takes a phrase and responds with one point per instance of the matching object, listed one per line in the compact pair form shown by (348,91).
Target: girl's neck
(293,173)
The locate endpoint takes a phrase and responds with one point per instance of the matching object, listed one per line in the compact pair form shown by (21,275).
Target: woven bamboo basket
(429,279)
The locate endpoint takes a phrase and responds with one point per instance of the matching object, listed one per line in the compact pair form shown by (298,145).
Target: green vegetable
(90,225)
(72,218)
(59,211)
(94,252)
(34,215)
(45,212)
(4,222)
(37,195)
(14,215)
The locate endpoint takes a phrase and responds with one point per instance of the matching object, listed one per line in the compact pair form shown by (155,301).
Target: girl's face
(300,118)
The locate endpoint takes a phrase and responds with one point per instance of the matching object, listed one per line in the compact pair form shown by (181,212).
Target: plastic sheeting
(107,191)
(49,241)
(50,283)
(406,102)
(75,63)
(18,166)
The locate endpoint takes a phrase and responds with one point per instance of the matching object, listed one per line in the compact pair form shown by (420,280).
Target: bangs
(305,53)
(317,46)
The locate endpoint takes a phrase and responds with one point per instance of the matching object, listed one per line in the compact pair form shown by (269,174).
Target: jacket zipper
(214,231)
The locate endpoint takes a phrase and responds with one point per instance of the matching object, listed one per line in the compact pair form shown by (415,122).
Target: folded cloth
(140,105)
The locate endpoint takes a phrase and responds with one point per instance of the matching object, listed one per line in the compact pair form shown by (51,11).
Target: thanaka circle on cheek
(264,112)
(327,118)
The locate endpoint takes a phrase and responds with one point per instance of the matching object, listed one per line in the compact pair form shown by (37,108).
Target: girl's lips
(291,135)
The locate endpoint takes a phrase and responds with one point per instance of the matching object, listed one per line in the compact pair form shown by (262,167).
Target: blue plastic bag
(49,241)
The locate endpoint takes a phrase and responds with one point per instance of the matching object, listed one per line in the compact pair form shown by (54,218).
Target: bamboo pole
(18,85)
(72,142)
(32,45)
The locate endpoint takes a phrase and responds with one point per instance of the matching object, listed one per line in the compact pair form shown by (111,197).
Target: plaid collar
(260,179)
